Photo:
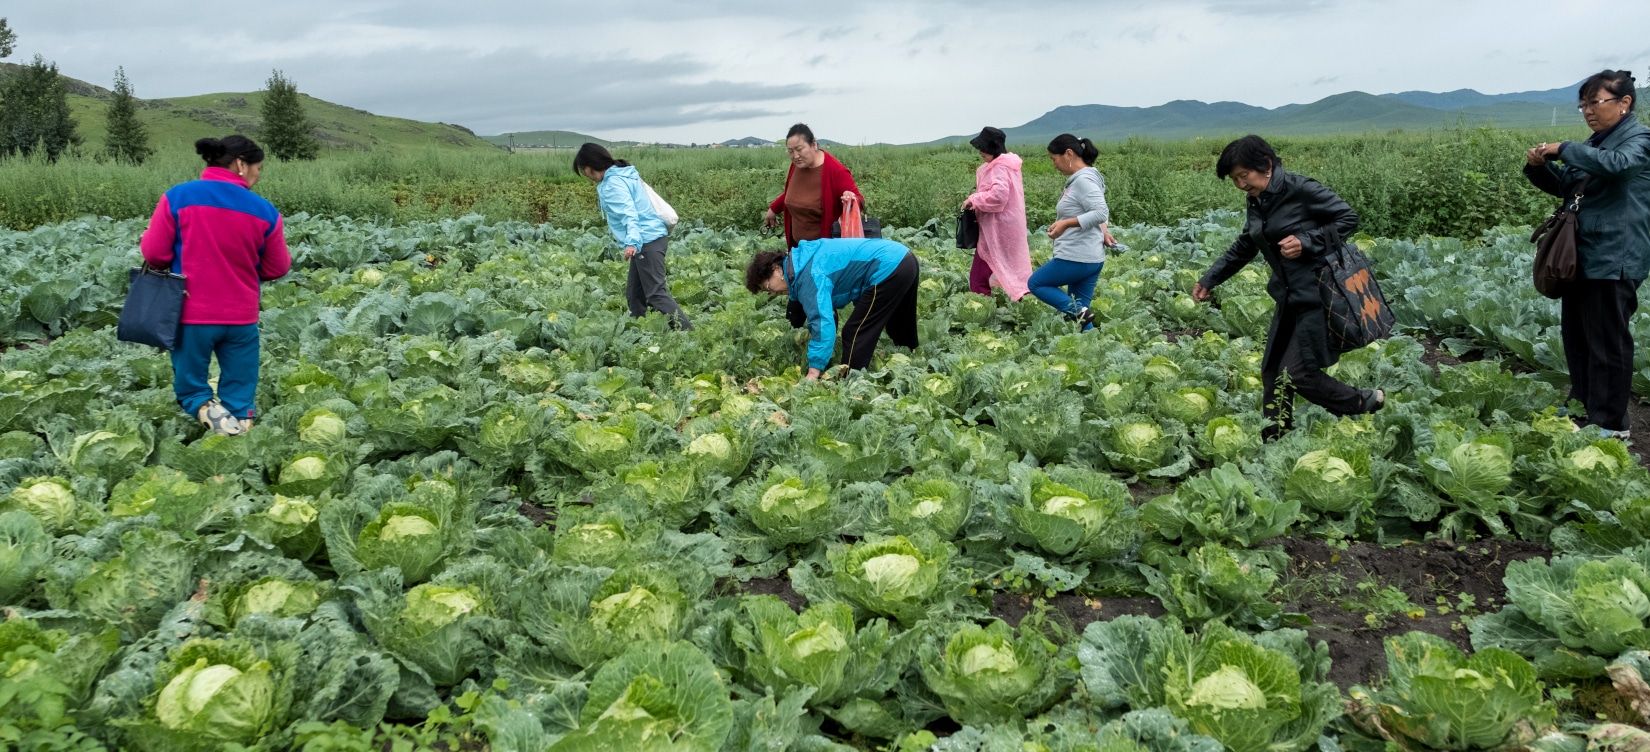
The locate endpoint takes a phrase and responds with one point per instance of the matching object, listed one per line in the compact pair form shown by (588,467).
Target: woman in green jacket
(1611,173)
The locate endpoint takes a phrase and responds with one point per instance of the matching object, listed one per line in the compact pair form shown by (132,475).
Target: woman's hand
(770,219)
(1106,238)
(1535,156)
(1200,293)
(968,203)
(1290,247)
(629,252)
(1059,228)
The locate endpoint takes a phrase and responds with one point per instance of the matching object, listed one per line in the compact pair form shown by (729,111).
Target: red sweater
(834,179)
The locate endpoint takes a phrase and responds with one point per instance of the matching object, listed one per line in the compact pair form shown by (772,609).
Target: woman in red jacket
(815,188)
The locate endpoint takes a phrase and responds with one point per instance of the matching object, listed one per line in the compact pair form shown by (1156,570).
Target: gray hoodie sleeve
(1090,191)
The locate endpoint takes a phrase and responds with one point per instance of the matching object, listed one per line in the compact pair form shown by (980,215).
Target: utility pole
(512,142)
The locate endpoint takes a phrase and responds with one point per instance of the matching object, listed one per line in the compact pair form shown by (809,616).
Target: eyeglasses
(1585,106)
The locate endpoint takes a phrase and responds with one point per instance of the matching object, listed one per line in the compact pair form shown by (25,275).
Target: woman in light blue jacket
(636,226)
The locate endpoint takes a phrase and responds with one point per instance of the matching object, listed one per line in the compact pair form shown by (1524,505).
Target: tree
(36,115)
(8,39)
(128,138)
(286,130)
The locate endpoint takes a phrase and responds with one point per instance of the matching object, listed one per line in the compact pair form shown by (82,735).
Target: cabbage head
(1138,444)
(820,648)
(1596,475)
(637,604)
(322,427)
(987,675)
(138,495)
(601,542)
(291,524)
(1335,481)
(1470,470)
(1162,370)
(792,510)
(277,597)
(656,696)
(893,576)
(936,504)
(405,535)
(311,474)
(1222,506)
(1430,681)
(218,690)
(112,454)
(596,448)
(1226,440)
(1191,405)
(670,493)
(51,501)
(429,626)
(1595,610)
(723,451)
(1092,519)
(1115,399)
(25,547)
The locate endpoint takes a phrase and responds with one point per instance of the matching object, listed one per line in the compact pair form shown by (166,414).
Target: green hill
(174,124)
(551,139)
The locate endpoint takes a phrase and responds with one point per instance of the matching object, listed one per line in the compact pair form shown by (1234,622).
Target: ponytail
(595,157)
(1082,147)
(223,152)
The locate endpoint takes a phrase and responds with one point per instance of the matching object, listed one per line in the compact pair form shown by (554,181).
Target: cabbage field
(485,509)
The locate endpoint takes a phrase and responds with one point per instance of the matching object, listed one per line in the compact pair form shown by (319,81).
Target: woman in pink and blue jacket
(224,239)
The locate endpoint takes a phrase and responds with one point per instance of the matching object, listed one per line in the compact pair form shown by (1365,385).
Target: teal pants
(237,351)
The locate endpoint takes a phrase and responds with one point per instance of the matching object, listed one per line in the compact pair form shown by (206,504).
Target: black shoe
(1083,317)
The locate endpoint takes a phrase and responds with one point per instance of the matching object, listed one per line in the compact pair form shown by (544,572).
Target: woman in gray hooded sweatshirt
(1079,232)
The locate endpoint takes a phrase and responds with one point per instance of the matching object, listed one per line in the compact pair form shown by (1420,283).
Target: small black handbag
(968,229)
(153,312)
(871,225)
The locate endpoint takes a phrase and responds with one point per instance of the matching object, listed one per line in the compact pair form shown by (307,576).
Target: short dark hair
(1250,152)
(761,268)
(595,157)
(801,129)
(1082,147)
(223,152)
(1618,82)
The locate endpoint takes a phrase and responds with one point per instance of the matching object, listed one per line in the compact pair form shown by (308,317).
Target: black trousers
(645,286)
(890,305)
(1598,347)
(1283,358)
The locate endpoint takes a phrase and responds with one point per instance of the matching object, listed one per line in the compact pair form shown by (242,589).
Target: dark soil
(780,586)
(1437,356)
(539,516)
(1323,583)
(1080,611)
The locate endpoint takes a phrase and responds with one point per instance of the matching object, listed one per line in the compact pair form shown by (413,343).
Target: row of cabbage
(363,554)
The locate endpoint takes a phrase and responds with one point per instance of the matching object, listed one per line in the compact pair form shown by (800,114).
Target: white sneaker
(218,420)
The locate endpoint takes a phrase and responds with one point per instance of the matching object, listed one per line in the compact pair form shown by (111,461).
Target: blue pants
(1078,279)
(237,351)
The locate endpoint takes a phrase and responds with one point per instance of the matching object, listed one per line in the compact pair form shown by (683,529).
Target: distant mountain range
(1351,112)
(572,139)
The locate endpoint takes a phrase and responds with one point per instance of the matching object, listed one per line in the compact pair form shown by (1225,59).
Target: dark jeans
(1283,356)
(646,287)
(891,305)
(1077,278)
(1598,347)
(237,351)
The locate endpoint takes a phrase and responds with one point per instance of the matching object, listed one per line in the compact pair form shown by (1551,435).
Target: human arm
(1241,252)
(777,206)
(1091,196)
(1630,157)
(1545,177)
(162,234)
(621,213)
(821,323)
(992,192)
(275,260)
(1330,214)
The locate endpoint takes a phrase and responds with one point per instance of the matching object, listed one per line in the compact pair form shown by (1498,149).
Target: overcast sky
(895,71)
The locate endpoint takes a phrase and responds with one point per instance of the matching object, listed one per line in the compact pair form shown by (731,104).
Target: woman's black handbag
(153,312)
(871,225)
(1356,311)
(968,229)
(1555,247)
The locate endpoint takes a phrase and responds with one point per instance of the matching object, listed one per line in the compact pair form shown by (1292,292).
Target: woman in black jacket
(1293,220)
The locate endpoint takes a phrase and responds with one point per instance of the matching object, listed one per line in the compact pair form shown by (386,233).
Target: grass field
(1452,183)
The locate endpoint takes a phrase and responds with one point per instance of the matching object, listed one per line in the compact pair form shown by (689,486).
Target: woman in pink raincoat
(999,199)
